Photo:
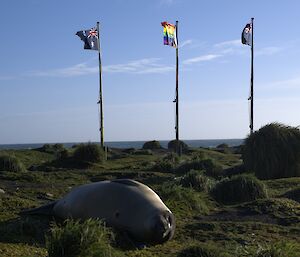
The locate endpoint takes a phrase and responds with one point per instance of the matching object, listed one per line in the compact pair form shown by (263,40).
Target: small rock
(49,195)
(2,191)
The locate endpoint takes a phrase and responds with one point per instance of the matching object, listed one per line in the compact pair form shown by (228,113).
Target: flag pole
(100,102)
(177,98)
(251,90)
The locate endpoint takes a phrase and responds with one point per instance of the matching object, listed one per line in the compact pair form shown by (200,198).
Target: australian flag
(247,35)
(90,38)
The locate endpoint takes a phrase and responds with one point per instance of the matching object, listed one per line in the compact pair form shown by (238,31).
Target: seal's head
(162,227)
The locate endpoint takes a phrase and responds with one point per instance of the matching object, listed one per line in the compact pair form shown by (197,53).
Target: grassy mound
(72,239)
(211,167)
(178,146)
(201,251)
(11,163)
(273,152)
(239,189)
(196,180)
(88,153)
(152,145)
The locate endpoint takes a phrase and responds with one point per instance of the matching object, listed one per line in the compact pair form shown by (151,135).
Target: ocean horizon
(133,144)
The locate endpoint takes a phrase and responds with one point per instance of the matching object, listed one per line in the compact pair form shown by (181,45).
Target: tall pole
(100,102)
(251,90)
(177,99)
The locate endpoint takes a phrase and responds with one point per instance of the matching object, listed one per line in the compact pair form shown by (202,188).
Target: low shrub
(239,189)
(11,163)
(152,145)
(197,181)
(88,153)
(202,251)
(74,239)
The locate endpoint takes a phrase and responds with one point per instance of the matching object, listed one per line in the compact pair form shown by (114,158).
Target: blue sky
(49,84)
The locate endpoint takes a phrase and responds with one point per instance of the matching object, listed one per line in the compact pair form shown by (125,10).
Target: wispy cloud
(268,50)
(230,43)
(142,66)
(76,70)
(202,58)
(293,83)
(185,43)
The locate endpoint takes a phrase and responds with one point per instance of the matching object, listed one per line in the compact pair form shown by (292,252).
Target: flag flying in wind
(90,38)
(170,37)
(247,35)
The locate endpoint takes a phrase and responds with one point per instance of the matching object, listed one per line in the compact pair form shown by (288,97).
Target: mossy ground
(236,230)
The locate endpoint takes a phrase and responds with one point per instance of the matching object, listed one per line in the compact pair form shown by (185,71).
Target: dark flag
(90,38)
(247,34)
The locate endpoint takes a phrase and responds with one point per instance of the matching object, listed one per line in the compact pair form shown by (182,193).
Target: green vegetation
(210,167)
(72,239)
(202,251)
(152,145)
(10,163)
(273,152)
(197,180)
(247,225)
(239,189)
(88,153)
(178,146)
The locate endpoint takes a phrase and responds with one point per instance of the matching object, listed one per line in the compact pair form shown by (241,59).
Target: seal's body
(124,204)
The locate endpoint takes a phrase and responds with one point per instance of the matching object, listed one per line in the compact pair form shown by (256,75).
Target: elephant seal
(125,204)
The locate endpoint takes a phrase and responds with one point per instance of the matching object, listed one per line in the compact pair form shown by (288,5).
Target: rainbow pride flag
(170,37)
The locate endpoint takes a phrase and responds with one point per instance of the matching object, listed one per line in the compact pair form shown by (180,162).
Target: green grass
(243,229)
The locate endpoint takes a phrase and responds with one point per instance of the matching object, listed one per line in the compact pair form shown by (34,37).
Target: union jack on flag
(90,38)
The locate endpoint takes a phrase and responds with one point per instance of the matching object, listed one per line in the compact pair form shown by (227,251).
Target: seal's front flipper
(43,210)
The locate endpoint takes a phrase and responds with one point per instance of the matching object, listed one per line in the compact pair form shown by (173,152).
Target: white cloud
(202,58)
(185,43)
(293,83)
(268,51)
(142,66)
(230,43)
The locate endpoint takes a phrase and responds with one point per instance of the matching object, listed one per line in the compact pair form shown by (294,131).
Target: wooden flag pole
(100,102)
(251,90)
(177,98)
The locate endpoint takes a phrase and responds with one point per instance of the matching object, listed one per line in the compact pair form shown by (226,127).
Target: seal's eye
(117,214)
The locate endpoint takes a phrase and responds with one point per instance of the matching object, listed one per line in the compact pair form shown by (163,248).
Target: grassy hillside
(270,224)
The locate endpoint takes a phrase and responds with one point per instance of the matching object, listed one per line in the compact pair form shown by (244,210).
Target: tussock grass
(182,200)
(11,163)
(88,153)
(178,146)
(211,167)
(197,180)
(239,189)
(273,152)
(152,145)
(75,239)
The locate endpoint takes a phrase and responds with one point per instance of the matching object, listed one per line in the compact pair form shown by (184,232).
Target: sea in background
(137,144)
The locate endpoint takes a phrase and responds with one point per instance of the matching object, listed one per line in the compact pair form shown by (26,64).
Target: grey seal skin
(123,203)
